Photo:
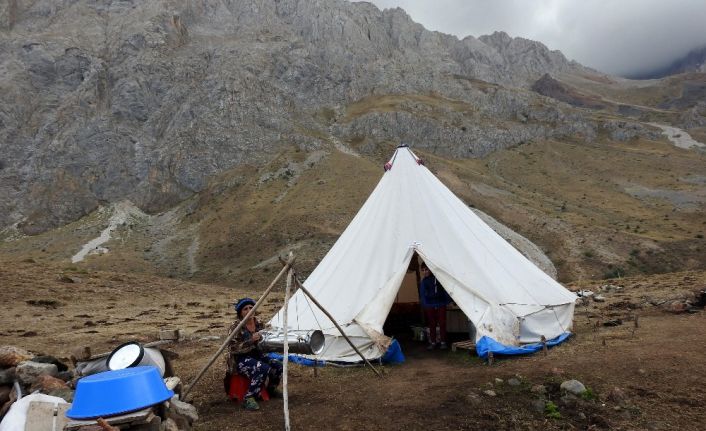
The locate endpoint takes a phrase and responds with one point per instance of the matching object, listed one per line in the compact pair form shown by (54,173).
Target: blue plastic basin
(116,392)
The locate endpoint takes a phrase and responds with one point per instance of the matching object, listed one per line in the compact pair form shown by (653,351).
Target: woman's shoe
(274,392)
(249,403)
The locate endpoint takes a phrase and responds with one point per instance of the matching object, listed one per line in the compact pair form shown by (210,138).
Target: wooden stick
(285,268)
(544,345)
(491,358)
(306,292)
(285,354)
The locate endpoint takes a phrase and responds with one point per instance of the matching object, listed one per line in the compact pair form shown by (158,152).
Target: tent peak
(403,146)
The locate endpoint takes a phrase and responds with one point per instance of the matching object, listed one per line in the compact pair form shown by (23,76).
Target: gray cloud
(621,37)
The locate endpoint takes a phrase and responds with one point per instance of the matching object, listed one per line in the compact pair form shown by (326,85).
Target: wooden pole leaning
(252,311)
(306,292)
(285,353)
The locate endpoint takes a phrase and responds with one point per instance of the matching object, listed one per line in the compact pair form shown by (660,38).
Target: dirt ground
(652,376)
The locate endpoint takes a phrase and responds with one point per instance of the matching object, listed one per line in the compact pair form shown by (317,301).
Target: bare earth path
(659,370)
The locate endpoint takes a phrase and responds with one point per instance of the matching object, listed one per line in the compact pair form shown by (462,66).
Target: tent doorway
(406,318)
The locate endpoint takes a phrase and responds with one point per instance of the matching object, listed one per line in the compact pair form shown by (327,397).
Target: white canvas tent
(505,295)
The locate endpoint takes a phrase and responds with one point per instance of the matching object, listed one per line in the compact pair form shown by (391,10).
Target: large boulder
(7,376)
(573,387)
(28,371)
(11,356)
(46,384)
(47,359)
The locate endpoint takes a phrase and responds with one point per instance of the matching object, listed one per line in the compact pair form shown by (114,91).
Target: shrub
(615,273)
(551,410)
(588,395)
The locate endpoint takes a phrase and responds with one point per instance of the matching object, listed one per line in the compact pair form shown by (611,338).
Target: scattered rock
(46,359)
(46,384)
(700,298)
(7,376)
(568,400)
(538,405)
(573,386)
(81,353)
(585,292)
(28,371)
(583,301)
(5,394)
(490,393)
(169,425)
(676,307)
(472,398)
(538,389)
(514,382)
(49,304)
(582,416)
(600,421)
(65,393)
(614,322)
(10,356)
(68,279)
(641,371)
(170,334)
(617,395)
(184,409)
(66,376)
(499,381)
(599,298)
(172,382)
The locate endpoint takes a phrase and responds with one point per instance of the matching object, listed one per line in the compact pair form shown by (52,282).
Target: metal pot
(304,342)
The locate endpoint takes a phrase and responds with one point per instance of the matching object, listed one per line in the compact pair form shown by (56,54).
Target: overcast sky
(621,37)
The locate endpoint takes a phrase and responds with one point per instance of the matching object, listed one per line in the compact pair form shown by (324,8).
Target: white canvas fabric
(504,294)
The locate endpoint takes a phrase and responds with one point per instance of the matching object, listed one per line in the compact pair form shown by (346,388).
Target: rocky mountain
(693,61)
(108,99)
(241,129)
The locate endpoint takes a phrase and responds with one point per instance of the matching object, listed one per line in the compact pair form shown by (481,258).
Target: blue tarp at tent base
(393,355)
(487,344)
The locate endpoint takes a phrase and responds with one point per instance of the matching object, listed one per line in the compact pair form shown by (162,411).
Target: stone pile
(23,373)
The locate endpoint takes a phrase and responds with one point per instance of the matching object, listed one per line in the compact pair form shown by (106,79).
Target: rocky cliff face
(105,100)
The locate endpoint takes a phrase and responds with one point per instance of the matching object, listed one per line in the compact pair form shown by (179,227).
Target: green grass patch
(551,410)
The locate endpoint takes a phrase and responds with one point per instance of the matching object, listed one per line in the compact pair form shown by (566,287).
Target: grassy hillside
(597,209)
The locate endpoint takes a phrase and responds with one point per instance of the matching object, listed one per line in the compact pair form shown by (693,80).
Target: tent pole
(306,292)
(285,353)
(259,302)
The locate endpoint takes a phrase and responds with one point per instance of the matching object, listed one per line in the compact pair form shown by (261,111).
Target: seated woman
(245,359)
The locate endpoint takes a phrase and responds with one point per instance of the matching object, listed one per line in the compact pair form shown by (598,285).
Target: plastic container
(132,354)
(112,393)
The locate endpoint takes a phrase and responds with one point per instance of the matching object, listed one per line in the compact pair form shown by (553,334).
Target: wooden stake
(259,302)
(637,324)
(285,353)
(544,345)
(491,358)
(306,292)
